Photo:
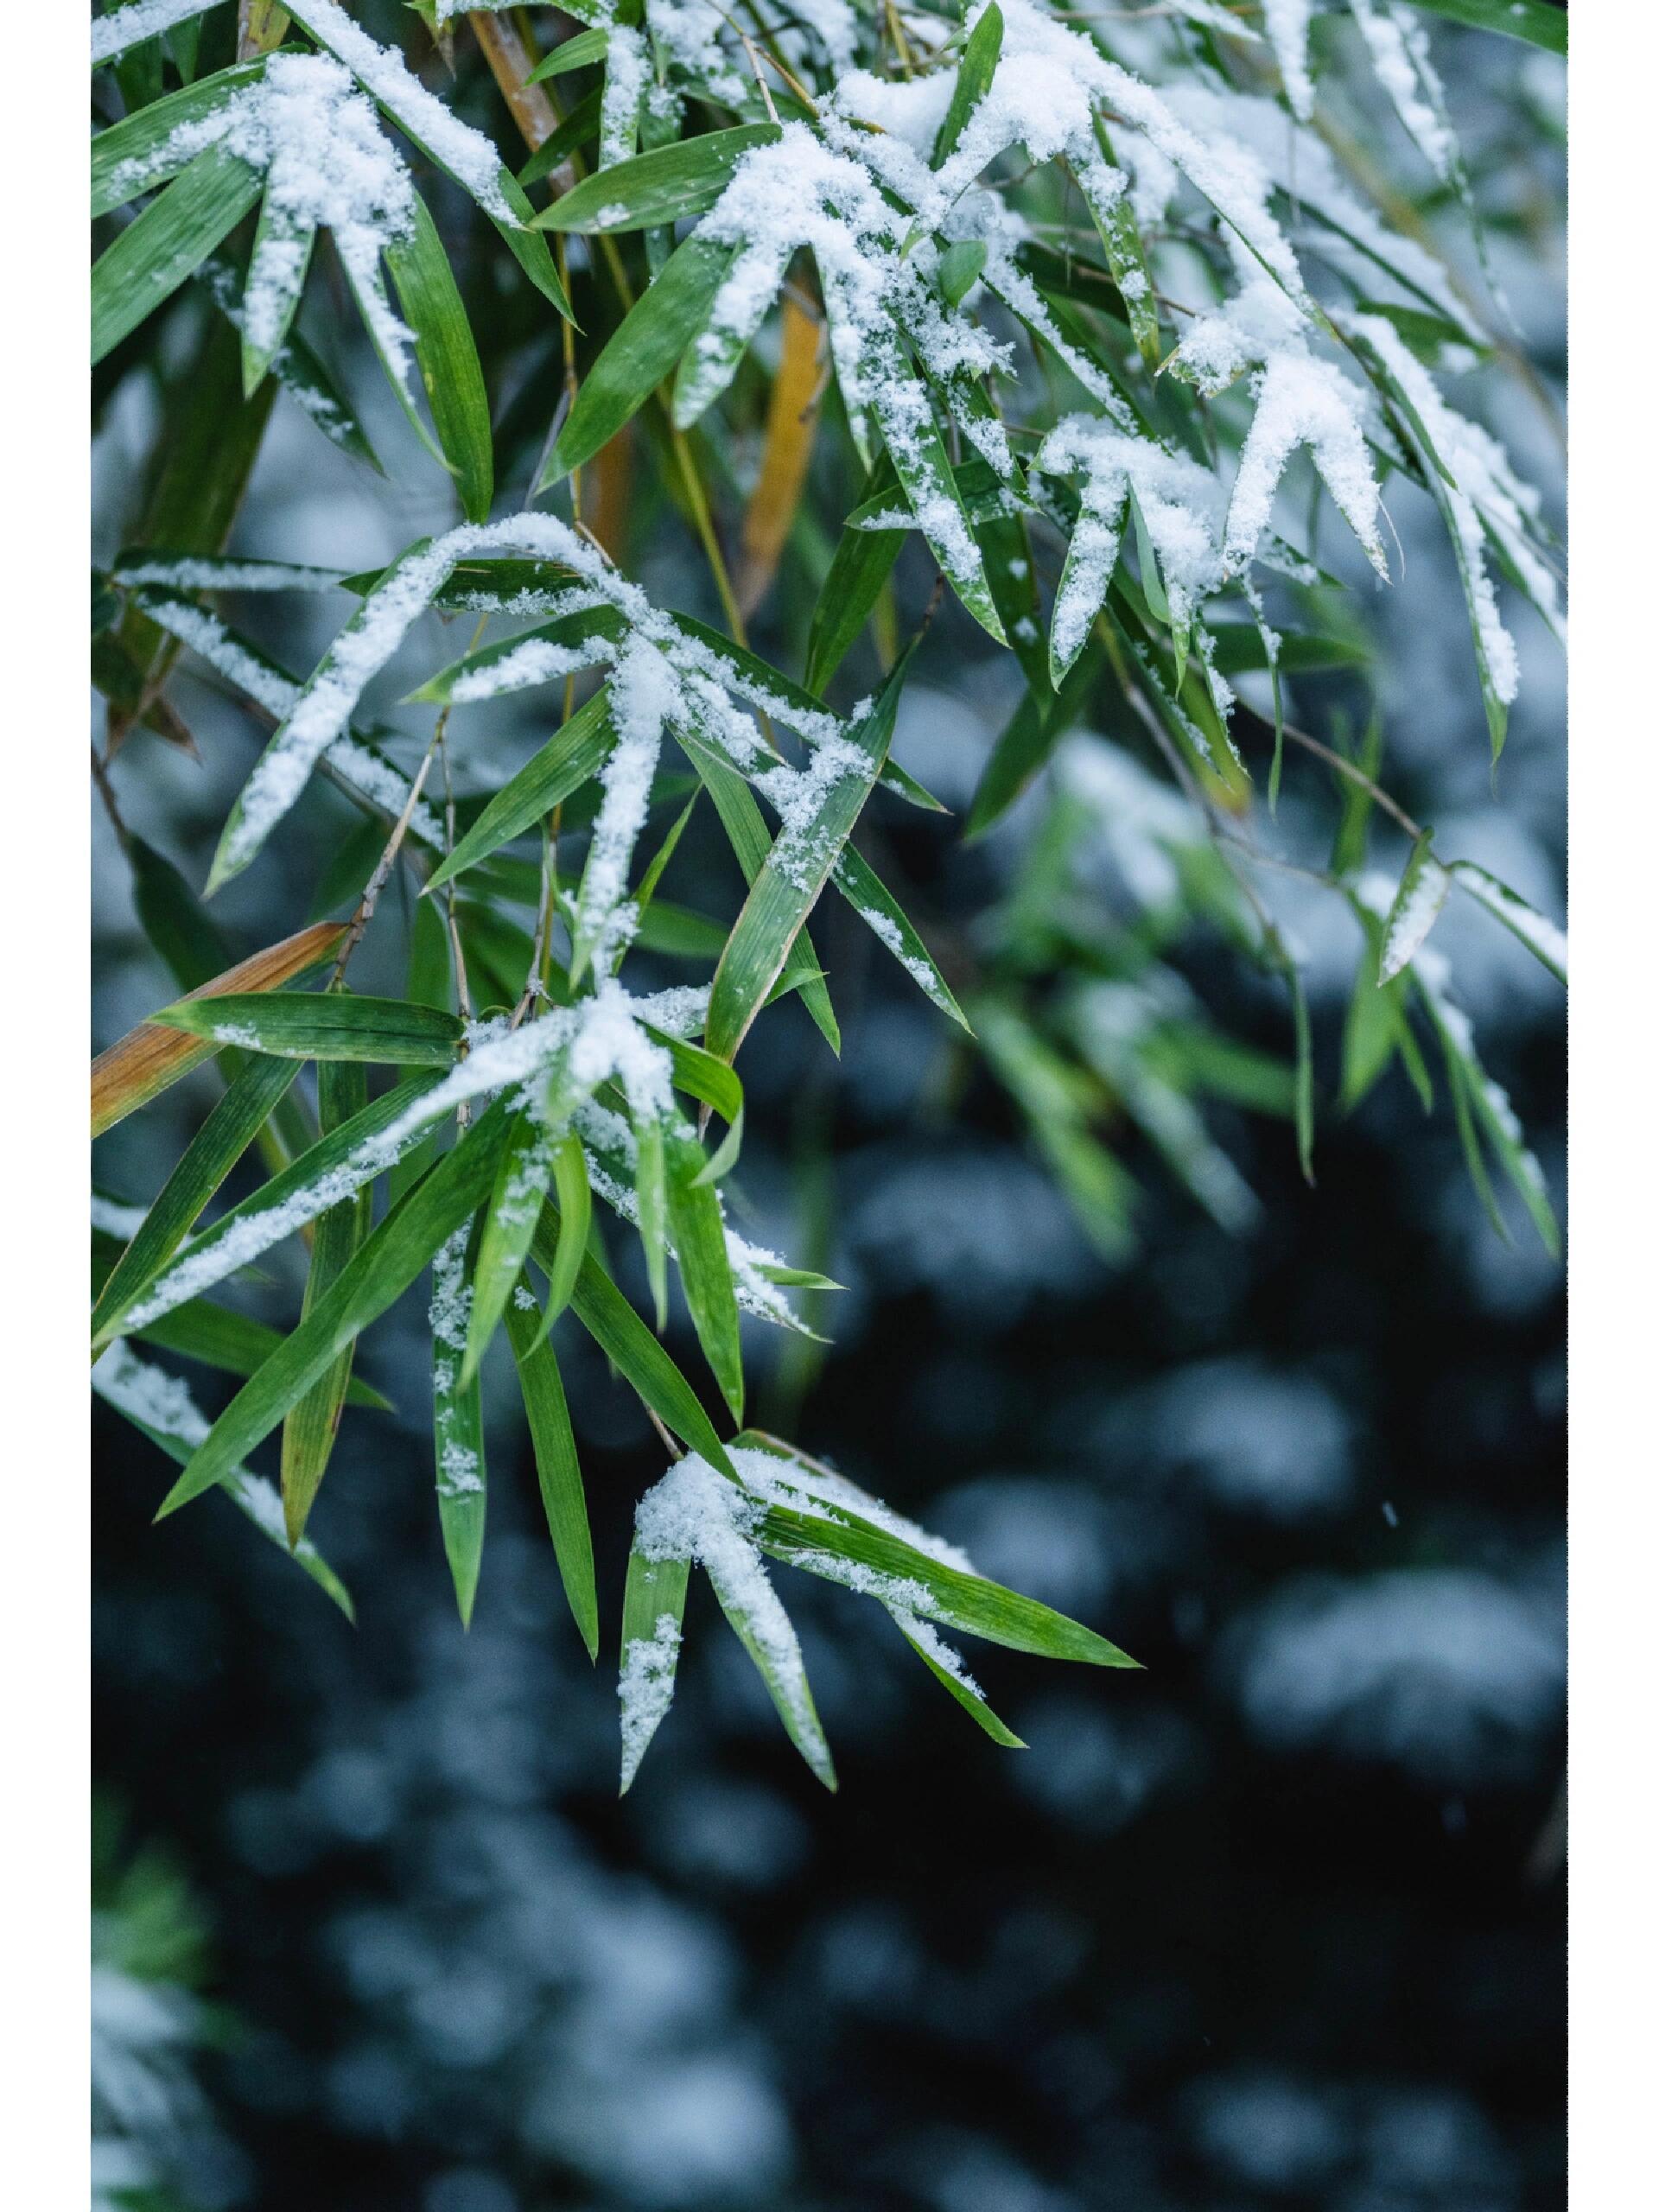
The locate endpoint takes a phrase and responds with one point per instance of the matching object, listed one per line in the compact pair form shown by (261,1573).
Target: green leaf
(923,468)
(579,126)
(448,357)
(284,1204)
(504,1243)
(786,889)
(1416,907)
(153,256)
(962,1687)
(309,1430)
(557,1469)
(699,1232)
(978,59)
(136,155)
(653,1606)
(208,1159)
(630,1348)
(1114,214)
(967,1602)
(681,179)
(326,1026)
(282,256)
(1542,938)
(380,1272)
(1533,21)
(874,904)
(563,764)
(640,352)
(863,562)
(584,51)
(651,1197)
(746,831)
(575,1210)
(296,368)
(959,267)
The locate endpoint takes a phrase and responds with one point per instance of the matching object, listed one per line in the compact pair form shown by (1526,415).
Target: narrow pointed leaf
(653,1606)
(1416,907)
(448,357)
(323,1025)
(457,1421)
(557,1469)
(149,260)
(504,1241)
(945,1667)
(151,1057)
(875,906)
(310,1427)
(681,179)
(699,1232)
(136,155)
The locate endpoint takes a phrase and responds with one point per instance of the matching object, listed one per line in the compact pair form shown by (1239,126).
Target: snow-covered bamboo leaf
(1542,939)
(448,357)
(119,28)
(1485,1113)
(549,651)
(906,414)
(145,150)
(640,352)
(148,262)
(457,1422)
(503,1238)
(746,831)
(842,773)
(282,255)
(310,1425)
(945,1666)
(161,1408)
(558,1473)
(653,1607)
(206,1160)
(825,1541)
(154,1054)
(1417,904)
(381,1270)
(296,368)
(327,1171)
(875,906)
(681,179)
(325,1026)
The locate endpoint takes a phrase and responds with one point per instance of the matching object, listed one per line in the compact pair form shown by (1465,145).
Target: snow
(1481,485)
(118,29)
(116,1219)
(645,1689)
(694,1514)
(627,72)
(1286,25)
(1180,502)
(465,153)
(1399,51)
(326,163)
(188,575)
(1415,912)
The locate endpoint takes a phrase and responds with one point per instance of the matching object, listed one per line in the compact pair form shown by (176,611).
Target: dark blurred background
(1276,1923)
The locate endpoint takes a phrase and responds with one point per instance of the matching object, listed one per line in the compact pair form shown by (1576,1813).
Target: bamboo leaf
(457,1420)
(681,179)
(515,664)
(138,153)
(945,1667)
(149,260)
(1416,907)
(311,1425)
(504,1241)
(863,562)
(786,889)
(630,1346)
(563,766)
(557,1469)
(792,424)
(875,906)
(153,1056)
(653,1606)
(207,1159)
(380,1272)
(978,59)
(1535,21)
(640,352)
(448,357)
(699,1232)
(326,1026)
(584,51)
(575,1208)
(1542,939)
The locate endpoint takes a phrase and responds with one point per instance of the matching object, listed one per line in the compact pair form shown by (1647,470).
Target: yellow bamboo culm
(791,423)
